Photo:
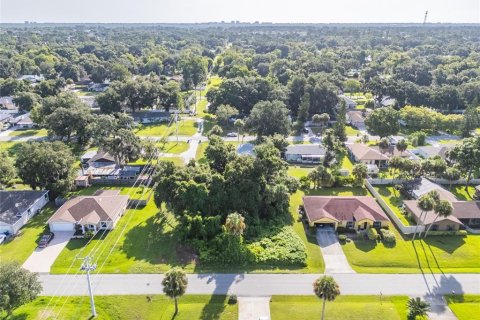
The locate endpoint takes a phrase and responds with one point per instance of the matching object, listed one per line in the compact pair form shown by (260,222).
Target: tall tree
(194,70)
(451,174)
(383,122)
(224,113)
(339,127)
(26,101)
(46,165)
(18,286)
(7,170)
(175,285)
(402,145)
(467,156)
(360,173)
(326,289)
(123,145)
(268,118)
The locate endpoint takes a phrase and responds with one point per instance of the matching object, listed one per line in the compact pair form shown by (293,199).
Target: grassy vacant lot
(185,128)
(447,254)
(461,193)
(28,133)
(394,200)
(21,246)
(131,307)
(347,163)
(176,160)
(465,307)
(344,307)
(133,192)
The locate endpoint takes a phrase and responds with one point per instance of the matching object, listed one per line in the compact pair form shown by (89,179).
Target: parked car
(45,240)
(231,134)
(3,237)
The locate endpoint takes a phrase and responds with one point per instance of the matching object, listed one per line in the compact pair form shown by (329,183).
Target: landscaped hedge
(463,233)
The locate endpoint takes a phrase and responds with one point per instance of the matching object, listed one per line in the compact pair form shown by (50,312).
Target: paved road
(266,284)
(333,255)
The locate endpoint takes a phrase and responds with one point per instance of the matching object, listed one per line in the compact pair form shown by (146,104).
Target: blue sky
(306,11)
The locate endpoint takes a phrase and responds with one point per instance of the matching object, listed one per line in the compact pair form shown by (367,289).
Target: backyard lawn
(10,146)
(347,163)
(351,131)
(299,171)
(185,128)
(20,247)
(462,194)
(465,307)
(175,147)
(344,307)
(394,200)
(21,133)
(130,307)
(447,254)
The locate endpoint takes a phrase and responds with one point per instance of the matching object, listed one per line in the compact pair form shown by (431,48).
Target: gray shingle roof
(305,149)
(14,202)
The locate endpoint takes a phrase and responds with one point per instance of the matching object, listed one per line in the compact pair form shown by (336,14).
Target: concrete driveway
(42,259)
(335,260)
(253,308)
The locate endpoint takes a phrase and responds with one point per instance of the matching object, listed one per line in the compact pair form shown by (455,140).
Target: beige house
(357,213)
(98,212)
(450,223)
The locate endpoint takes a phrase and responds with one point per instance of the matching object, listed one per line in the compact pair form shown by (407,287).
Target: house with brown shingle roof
(98,212)
(357,213)
(367,155)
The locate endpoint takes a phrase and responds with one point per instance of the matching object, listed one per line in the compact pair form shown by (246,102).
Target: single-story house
(425,186)
(356,119)
(151,116)
(6,103)
(367,155)
(17,207)
(32,78)
(468,212)
(98,212)
(450,223)
(23,121)
(87,156)
(98,87)
(431,151)
(4,120)
(305,153)
(357,213)
(246,149)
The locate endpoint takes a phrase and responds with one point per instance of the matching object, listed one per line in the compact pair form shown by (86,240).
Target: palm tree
(175,284)
(417,307)
(384,144)
(442,208)
(425,203)
(451,174)
(327,289)
(395,164)
(235,224)
(239,124)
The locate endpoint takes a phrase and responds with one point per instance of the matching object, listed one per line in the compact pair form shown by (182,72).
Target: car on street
(231,134)
(3,237)
(45,240)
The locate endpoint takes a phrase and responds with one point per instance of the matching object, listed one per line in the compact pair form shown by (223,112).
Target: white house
(17,207)
(305,153)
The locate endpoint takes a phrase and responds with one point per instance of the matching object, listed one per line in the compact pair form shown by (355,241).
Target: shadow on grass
(214,308)
(445,243)
(365,245)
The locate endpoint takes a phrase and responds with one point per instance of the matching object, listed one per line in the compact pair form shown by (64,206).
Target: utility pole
(86,266)
(176,121)
(425,19)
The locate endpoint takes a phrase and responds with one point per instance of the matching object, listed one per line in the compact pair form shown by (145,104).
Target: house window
(377,224)
(434,227)
(349,224)
(103,225)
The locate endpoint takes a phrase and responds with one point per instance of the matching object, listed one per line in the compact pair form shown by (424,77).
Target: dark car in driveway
(45,240)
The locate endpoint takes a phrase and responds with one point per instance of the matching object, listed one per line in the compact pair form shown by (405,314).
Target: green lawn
(130,307)
(175,147)
(344,307)
(351,131)
(21,246)
(394,200)
(315,262)
(461,193)
(347,163)
(299,171)
(11,147)
(28,133)
(465,307)
(176,160)
(133,192)
(185,128)
(340,191)
(447,254)
(450,141)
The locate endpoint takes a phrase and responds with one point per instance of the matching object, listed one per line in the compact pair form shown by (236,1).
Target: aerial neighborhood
(328,155)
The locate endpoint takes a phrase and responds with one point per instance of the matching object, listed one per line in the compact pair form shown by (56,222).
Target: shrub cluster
(372,234)
(388,236)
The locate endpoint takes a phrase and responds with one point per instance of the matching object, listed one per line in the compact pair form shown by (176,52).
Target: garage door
(60,226)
